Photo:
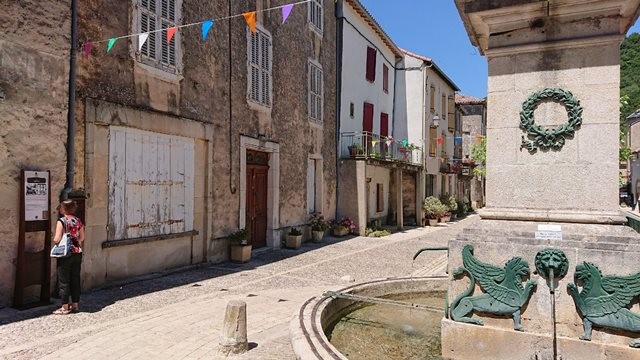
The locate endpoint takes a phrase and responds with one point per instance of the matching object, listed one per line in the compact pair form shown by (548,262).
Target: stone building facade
(472,114)
(33,113)
(176,143)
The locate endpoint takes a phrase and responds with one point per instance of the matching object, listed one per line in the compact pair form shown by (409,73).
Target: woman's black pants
(69,277)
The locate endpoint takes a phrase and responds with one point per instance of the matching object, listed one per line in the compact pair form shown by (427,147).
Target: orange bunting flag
(439,141)
(170,32)
(250,17)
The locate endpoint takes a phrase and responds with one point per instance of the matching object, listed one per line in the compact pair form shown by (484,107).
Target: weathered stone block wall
(519,180)
(33,109)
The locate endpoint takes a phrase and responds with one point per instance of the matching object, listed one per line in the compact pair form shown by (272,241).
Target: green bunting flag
(111,42)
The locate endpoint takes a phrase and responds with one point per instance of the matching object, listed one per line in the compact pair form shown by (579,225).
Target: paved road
(179,315)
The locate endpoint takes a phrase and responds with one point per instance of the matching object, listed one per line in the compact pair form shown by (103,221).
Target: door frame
(273,185)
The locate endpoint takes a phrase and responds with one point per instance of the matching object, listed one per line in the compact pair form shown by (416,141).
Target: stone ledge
(141,240)
(583,217)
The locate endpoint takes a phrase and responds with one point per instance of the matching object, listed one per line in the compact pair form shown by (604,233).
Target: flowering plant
(317,223)
(346,222)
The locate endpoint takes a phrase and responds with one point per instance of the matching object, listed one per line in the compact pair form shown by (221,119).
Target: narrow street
(179,315)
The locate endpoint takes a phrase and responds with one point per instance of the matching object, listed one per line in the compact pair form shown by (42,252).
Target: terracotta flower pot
(340,230)
(293,241)
(240,253)
(432,222)
(317,235)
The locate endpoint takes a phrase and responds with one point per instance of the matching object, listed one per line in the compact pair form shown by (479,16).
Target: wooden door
(367,126)
(256,214)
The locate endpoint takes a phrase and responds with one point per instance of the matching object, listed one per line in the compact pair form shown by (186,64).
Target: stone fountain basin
(318,314)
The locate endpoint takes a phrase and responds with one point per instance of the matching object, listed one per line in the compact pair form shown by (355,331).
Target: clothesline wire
(199,22)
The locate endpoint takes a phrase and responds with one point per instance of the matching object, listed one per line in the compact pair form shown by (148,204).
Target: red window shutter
(384,124)
(385,78)
(371,64)
(367,119)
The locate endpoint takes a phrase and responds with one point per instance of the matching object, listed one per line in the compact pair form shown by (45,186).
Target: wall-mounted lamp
(436,121)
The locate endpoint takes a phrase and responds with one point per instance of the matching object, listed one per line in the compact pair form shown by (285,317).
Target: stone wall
(33,113)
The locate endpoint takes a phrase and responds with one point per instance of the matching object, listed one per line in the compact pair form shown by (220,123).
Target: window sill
(316,123)
(167,75)
(315,30)
(258,106)
(126,242)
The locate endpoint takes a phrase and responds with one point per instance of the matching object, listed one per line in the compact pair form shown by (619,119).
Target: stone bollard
(233,339)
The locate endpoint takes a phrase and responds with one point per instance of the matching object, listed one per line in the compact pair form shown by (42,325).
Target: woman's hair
(69,207)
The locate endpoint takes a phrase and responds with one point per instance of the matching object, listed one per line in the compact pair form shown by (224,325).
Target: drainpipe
(71,111)
(339,50)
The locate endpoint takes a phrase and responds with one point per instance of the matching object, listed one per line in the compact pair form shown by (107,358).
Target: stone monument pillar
(552,185)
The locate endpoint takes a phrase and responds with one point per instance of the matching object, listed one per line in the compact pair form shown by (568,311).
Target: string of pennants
(206,25)
(388,140)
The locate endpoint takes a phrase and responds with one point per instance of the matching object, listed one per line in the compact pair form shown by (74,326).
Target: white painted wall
(355,87)
(410,103)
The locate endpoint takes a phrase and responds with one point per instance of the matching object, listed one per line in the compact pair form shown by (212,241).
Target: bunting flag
(250,17)
(286,11)
(405,142)
(439,141)
(206,26)
(479,138)
(87,49)
(458,139)
(142,39)
(170,32)
(374,142)
(388,142)
(111,42)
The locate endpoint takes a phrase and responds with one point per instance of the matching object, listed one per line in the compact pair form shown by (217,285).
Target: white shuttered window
(316,15)
(156,16)
(315,92)
(151,184)
(259,55)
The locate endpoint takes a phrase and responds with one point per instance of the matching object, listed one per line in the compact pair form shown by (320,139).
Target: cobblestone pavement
(179,315)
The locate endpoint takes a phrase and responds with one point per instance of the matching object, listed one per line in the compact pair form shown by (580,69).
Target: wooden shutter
(371,64)
(433,142)
(451,117)
(385,78)
(311,186)
(379,197)
(147,24)
(384,124)
(367,118)
(265,64)
(443,109)
(433,99)
(254,80)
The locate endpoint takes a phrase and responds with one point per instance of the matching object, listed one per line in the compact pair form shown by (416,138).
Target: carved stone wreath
(541,138)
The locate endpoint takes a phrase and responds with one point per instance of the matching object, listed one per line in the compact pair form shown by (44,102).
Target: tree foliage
(629,87)
(629,78)
(479,156)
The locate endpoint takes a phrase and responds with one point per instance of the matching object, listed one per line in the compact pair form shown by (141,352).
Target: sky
(433,28)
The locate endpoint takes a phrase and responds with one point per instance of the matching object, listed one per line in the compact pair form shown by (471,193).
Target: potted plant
(240,247)
(318,227)
(450,203)
(343,227)
(433,209)
(294,238)
(355,150)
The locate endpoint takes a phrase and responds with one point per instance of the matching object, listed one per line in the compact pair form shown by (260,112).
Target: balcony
(366,145)
(456,166)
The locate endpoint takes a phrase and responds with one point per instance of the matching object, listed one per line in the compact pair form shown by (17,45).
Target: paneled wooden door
(257,184)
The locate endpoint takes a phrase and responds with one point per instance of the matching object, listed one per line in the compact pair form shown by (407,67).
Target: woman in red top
(69,267)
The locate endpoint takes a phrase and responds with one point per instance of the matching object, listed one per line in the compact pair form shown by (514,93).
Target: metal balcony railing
(366,145)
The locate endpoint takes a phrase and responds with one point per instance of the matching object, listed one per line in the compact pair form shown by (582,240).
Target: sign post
(34,267)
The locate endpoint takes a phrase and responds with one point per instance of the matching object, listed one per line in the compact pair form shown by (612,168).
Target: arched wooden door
(257,185)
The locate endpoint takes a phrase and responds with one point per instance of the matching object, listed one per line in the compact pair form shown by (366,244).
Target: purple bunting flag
(286,11)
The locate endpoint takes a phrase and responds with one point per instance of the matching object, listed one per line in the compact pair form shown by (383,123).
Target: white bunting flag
(142,38)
